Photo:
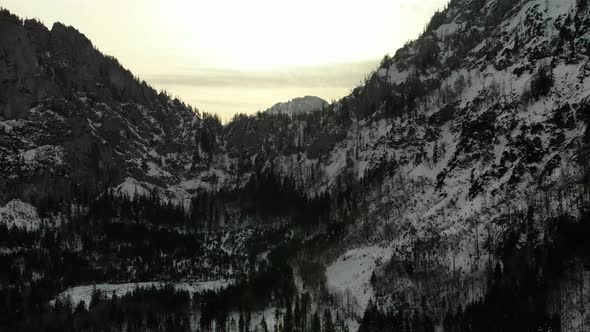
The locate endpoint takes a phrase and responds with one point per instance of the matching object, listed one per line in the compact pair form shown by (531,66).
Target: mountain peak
(298,105)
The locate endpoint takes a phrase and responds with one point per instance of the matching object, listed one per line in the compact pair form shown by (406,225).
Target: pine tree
(277,319)
(80,308)
(297,315)
(328,323)
(95,298)
(263,326)
(248,321)
(341,324)
(542,81)
(305,308)
(241,322)
(316,325)
(288,323)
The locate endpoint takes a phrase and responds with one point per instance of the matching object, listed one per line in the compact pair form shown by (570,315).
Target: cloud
(344,75)
(229,91)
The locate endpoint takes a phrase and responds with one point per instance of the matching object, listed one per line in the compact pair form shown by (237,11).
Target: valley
(448,192)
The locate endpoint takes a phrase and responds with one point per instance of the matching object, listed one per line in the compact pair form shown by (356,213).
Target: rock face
(481,119)
(299,106)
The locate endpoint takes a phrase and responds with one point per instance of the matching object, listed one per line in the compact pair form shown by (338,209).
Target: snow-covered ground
(84,293)
(351,273)
(131,188)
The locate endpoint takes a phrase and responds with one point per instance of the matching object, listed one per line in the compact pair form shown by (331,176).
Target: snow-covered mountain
(478,120)
(298,106)
(454,174)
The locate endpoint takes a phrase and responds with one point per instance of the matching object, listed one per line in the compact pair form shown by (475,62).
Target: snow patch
(351,273)
(84,293)
(17,213)
(131,187)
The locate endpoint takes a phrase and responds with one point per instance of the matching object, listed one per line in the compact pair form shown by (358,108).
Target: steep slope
(74,122)
(475,123)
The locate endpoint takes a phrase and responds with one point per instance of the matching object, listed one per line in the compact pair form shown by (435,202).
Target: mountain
(298,106)
(448,192)
(75,122)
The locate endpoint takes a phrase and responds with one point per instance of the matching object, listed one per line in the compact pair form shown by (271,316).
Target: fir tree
(263,326)
(316,325)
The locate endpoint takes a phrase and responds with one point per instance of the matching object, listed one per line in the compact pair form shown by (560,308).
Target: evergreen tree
(288,323)
(95,298)
(316,325)
(297,315)
(248,321)
(277,319)
(263,326)
(328,323)
(542,81)
(80,308)
(241,322)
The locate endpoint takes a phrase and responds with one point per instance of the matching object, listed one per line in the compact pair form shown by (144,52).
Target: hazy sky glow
(229,56)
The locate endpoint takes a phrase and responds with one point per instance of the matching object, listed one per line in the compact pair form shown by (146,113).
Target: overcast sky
(229,56)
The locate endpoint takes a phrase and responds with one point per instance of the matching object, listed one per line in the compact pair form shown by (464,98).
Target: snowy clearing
(351,273)
(84,293)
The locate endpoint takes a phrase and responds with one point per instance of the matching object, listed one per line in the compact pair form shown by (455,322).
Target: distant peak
(299,105)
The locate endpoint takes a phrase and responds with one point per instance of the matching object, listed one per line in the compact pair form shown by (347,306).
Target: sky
(237,56)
